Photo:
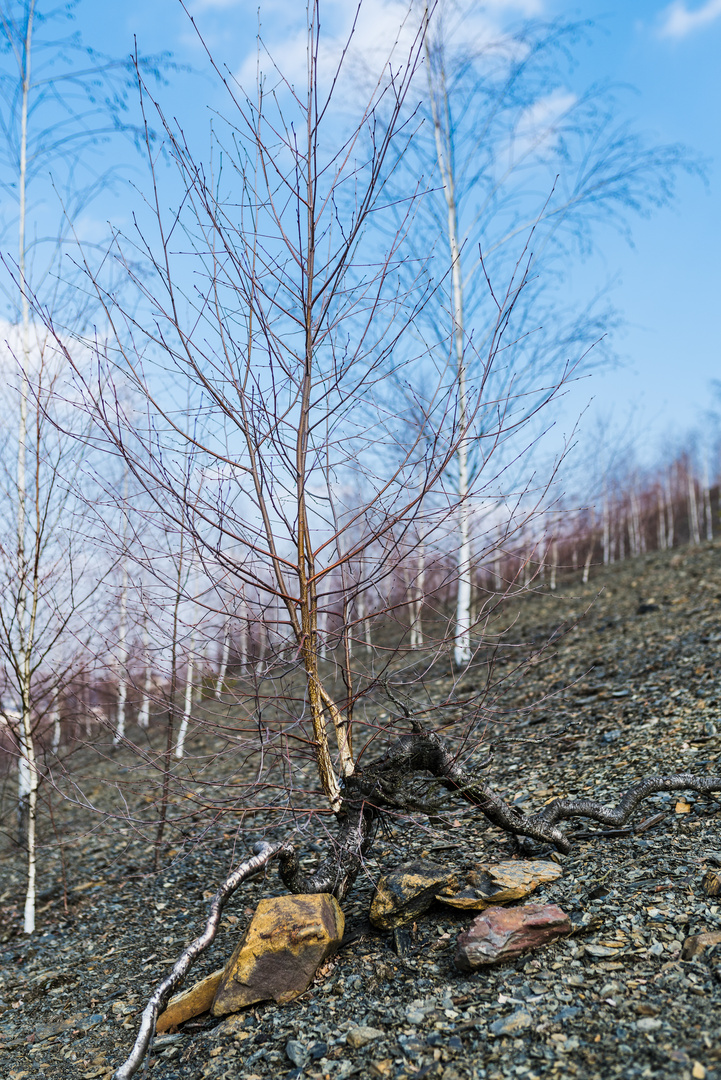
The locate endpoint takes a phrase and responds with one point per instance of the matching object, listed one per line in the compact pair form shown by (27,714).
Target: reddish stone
(503,933)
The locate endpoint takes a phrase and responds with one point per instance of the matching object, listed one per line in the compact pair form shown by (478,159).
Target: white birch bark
(144,710)
(694,534)
(462,632)
(607,559)
(554,565)
(27,573)
(188,704)
(122,660)
(587,563)
(243,636)
(661,523)
(416,637)
(223,666)
(707,500)
(669,512)
(55,720)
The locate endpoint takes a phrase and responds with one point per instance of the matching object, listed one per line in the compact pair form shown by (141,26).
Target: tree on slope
(510,147)
(275,307)
(51,162)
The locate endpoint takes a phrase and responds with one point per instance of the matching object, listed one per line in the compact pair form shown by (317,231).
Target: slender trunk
(669,512)
(693,529)
(27,593)
(28,757)
(262,643)
(416,639)
(638,545)
(607,558)
(322,633)
(243,637)
(223,668)
(661,524)
(170,725)
(307,594)
(55,718)
(144,711)
(707,501)
(587,563)
(554,565)
(188,705)
(444,157)
(122,664)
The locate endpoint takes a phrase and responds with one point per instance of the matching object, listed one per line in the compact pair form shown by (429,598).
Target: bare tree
(501,128)
(283,318)
(51,129)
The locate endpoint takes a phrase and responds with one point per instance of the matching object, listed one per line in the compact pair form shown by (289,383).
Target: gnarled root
(419,751)
(159,999)
(338,871)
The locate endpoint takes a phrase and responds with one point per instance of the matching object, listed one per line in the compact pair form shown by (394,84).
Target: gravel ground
(637,679)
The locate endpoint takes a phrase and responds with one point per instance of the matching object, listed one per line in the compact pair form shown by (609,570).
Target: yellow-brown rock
(712,882)
(288,938)
(192,1002)
(693,946)
(409,891)
(500,883)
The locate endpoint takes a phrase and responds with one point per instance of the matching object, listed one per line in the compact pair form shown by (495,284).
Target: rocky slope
(635,677)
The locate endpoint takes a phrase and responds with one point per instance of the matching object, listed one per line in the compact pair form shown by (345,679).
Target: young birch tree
(51,128)
(502,128)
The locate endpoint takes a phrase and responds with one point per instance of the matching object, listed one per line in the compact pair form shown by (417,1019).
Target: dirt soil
(637,679)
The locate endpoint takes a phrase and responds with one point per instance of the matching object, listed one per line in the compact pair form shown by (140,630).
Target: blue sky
(666,286)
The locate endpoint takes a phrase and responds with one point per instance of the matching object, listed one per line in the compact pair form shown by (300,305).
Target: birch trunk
(444,157)
(661,524)
(27,571)
(707,501)
(694,534)
(416,639)
(122,664)
(188,704)
(669,512)
(223,668)
(607,559)
(144,711)
(55,719)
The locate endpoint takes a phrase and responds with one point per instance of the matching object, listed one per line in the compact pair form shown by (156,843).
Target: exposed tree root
(366,796)
(382,787)
(159,999)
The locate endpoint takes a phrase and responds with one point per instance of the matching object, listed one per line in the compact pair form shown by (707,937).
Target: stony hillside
(633,675)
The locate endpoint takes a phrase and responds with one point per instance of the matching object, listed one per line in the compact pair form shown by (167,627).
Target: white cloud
(678,21)
(379,24)
(537,129)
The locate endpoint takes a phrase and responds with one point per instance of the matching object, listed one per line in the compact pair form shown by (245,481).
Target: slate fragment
(712,883)
(408,891)
(504,933)
(499,883)
(280,952)
(192,1002)
(693,946)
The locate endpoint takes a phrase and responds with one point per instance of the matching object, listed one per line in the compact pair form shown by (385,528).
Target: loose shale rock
(693,946)
(503,933)
(712,882)
(409,891)
(192,1002)
(499,883)
(288,937)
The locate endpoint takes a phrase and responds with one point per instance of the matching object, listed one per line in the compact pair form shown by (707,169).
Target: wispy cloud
(379,23)
(678,22)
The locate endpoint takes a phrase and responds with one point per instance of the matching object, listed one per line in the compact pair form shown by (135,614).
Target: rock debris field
(637,679)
